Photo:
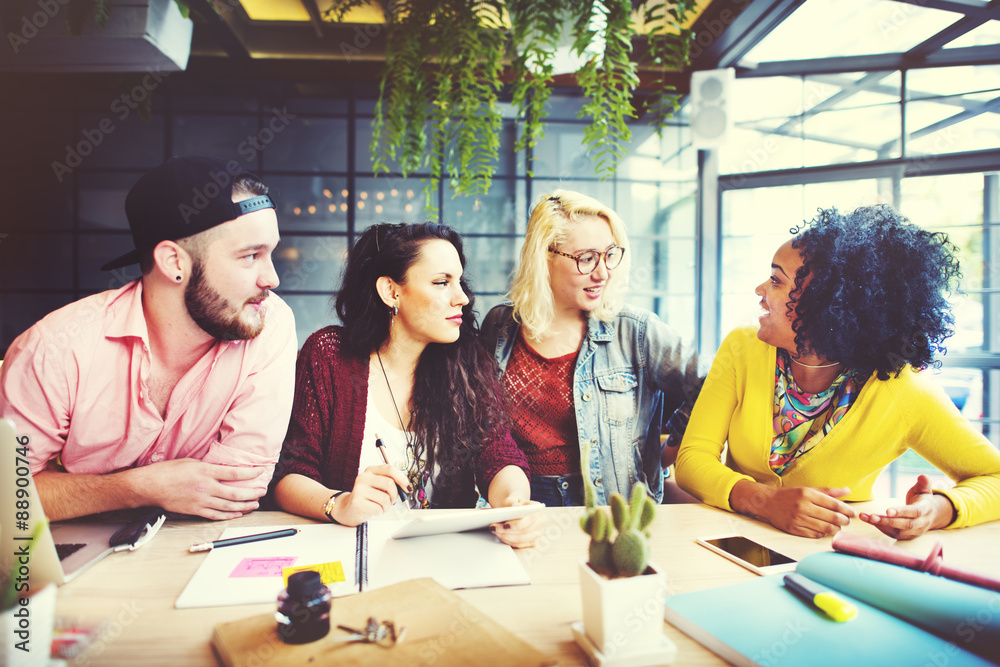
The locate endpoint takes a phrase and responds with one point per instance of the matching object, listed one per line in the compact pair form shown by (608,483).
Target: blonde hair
(550,223)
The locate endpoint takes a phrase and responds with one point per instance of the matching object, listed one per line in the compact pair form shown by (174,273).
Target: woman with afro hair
(828,391)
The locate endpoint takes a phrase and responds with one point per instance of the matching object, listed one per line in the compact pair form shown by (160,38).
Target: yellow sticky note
(329,573)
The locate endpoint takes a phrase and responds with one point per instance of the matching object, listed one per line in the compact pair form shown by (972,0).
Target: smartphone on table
(752,555)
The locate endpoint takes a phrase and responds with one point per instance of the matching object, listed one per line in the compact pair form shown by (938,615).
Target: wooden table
(137,590)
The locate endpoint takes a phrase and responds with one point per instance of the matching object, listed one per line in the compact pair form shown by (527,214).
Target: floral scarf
(801,419)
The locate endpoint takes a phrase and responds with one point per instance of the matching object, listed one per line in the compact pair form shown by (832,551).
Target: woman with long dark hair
(405,369)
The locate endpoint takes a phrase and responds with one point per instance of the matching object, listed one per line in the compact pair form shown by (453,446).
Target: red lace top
(543,420)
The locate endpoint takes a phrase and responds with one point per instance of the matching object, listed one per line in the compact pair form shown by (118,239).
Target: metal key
(383,634)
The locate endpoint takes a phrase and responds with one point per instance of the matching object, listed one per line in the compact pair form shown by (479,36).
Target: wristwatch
(330,504)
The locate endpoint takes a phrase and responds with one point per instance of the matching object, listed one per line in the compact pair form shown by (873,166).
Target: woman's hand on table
(798,510)
(923,511)
(520,533)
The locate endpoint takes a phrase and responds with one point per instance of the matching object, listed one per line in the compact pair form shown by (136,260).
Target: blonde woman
(585,373)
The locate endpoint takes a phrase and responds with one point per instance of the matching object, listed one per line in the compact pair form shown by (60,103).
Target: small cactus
(627,555)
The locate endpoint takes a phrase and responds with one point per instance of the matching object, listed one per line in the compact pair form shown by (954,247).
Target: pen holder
(303,609)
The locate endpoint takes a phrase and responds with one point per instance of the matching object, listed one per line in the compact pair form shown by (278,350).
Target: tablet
(435,523)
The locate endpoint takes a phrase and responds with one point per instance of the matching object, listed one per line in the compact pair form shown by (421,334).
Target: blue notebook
(904,618)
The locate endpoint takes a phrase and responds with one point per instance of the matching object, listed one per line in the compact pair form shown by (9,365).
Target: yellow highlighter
(835,606)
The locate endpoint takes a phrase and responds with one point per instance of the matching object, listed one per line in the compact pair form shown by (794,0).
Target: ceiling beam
(222,28)
(728,29)
(938,41)
(970,55)
(314,17)
(974,9)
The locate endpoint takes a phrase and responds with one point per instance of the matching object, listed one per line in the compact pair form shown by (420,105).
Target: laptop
(61,550)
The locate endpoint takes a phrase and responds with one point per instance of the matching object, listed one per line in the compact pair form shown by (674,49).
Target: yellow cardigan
(888,417)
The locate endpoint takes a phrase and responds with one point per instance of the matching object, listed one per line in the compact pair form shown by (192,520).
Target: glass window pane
(389,199)
(20,311)
(954,204)
(562,153)
(130,142)
(102,199)
(662,265)
(303,144)
(602,191)
(987,34)
(310,263)
(41,201)
(310,203)
(490,261)
(850,28)
(765,135)
(655,209)
(492,213)
(96,250)
(222,137)
(947,110)
(37,139)
(20,265)
(312,313)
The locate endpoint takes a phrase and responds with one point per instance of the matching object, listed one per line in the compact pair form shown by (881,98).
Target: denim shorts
(557,490)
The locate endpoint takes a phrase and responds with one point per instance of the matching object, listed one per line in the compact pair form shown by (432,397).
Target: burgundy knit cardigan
(328,421)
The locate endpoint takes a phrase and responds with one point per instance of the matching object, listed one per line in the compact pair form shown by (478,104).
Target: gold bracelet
(330,504)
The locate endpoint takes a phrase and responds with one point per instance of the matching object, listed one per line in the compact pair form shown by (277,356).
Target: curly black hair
(876,299)
(457,403)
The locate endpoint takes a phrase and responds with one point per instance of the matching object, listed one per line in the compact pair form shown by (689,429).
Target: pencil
(208,546)
(381,448)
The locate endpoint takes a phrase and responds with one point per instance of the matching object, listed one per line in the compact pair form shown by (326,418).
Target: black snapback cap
(182,197)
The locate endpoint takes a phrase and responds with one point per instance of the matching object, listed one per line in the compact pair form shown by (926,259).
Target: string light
(312,210)
(297,211)
(327,193)
(378,208)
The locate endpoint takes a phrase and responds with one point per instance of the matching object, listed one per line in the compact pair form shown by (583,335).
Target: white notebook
(252,573)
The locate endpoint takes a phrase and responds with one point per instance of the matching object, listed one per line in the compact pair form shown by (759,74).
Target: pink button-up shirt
(75,383)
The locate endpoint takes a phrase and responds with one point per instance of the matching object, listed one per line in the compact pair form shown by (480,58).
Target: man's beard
(209,310)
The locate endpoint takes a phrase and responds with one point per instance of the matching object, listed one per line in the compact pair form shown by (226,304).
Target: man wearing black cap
(176,389)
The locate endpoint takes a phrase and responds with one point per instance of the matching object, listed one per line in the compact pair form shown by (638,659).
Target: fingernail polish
(506,526)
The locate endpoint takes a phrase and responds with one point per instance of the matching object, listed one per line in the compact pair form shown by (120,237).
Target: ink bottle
(303,609)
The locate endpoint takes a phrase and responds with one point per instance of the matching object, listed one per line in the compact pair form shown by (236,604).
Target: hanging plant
(438,108)
(669,50)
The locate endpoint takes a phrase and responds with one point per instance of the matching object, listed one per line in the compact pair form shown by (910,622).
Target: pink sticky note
(263,567)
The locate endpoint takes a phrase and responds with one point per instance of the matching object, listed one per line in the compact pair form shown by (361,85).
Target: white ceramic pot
(29,627)
(623,615)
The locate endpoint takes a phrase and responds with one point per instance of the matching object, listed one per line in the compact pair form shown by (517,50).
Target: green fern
(609,82)
(669,49)
(535,31)
(438,109)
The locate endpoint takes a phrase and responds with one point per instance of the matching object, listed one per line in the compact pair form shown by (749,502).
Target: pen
(208,546)
(835,606)
(381,448)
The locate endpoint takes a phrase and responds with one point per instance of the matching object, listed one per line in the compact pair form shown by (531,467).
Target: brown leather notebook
(441,629)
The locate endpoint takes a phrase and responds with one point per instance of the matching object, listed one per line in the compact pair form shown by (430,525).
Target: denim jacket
(626,371)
